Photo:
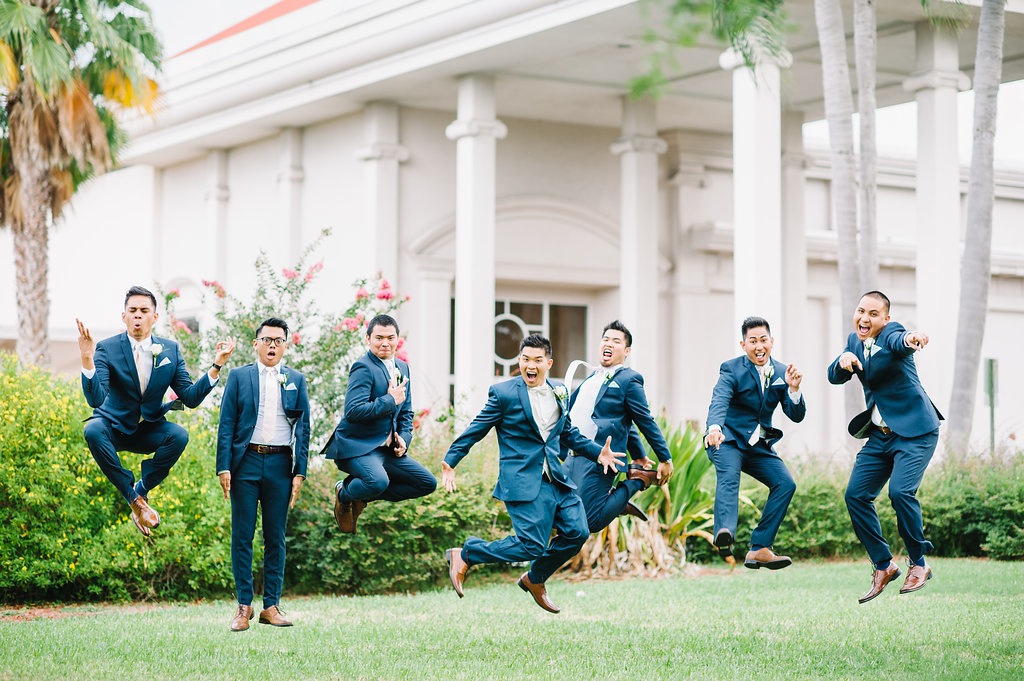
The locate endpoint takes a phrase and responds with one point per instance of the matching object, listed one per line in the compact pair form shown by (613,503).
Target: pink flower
(172,294)
(360,317)
(218,290)
(311,272)
(351,323)
(295,338)
(361,293)
(401,354)
(408,298)
(385,294)
(338,328)
(384,283)
(400,343)
(288,273)
(182,326)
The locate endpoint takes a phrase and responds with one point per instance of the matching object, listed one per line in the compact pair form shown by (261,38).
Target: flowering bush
(324,340)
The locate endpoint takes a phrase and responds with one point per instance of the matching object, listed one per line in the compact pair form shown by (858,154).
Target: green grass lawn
(803,622)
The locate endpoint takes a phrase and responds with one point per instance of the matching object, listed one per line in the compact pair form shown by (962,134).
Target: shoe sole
(275,625)
(723,543)
(770,565)
(448,559)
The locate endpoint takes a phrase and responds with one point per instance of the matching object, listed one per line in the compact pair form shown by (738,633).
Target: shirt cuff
(795,397)
(88,373)
(714,428)
(213,381)
(221,472)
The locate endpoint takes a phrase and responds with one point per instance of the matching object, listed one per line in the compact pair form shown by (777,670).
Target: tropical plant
(66,69)
(679,509)
(322,344)
(976,265)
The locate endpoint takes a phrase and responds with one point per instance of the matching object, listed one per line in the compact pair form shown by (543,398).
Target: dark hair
(752,323)
(619,326)
(139,291)
(274,322)
(536,341)
(381,320)
(881,296)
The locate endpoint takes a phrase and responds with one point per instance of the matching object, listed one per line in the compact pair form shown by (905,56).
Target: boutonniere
(561,393)
(156,349)
(397,376)
(282,377)
(869,345)
(608,376)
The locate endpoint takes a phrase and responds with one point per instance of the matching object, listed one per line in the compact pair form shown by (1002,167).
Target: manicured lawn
(803,622)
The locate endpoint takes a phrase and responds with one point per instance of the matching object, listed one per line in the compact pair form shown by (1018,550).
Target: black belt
(269,449)
(884,430)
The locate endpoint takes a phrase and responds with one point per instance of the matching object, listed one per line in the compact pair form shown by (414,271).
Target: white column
(935,85)
(289,181)
(382,155)
(639,286)
(217,195)
(757,189)
(789,333)
(430,344)
(475,132)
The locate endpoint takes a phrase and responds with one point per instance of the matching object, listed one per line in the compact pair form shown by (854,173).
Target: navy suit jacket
(622,402)
(113,391)
(371,414)
(890,382)
(739,405)
(521,450)
(239,409)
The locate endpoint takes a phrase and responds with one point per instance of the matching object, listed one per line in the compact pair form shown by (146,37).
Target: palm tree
(865,43)
(66,67)
(976,266)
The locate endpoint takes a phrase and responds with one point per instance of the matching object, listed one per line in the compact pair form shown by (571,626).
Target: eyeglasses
(267,340)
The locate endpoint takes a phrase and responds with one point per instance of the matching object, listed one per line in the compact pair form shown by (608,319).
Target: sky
(176,22)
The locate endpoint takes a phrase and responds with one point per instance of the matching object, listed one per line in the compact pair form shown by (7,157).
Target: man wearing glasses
(262,449)
(373,436)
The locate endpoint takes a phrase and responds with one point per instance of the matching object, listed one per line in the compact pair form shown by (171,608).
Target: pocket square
(613,384)
(290,386)
(779,381)
(164,361)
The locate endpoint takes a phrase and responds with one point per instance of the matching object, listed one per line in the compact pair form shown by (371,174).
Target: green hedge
(973,508)
(66,535)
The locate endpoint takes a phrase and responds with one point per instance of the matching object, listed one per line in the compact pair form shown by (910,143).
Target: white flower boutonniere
(561,393)
(397,376)
(155,349)
(869,344)
(282,377)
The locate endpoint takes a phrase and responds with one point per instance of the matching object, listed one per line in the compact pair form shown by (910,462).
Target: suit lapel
(524,400)
(129,360)
(254,385)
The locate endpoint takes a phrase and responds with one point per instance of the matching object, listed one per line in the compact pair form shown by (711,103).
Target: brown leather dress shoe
(880,580)
(539,593)
(274,616)
(143,516)
(917,576)
(648,476)
(242,617)
(343,512)
(457,569)
(766,558)
(357,508)
(634,510)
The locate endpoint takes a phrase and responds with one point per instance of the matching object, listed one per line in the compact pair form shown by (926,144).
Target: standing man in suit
(607,404)
(124,379)
(374,434)
(740,437)
(262,449)
(901,425)
(532,422)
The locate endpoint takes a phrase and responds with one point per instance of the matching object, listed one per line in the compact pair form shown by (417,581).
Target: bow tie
(541,390)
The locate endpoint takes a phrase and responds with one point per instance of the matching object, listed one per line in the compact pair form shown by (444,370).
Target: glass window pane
(531,313)
(507,335)
(568,339)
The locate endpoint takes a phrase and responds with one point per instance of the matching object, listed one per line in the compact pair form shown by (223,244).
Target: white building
(484,155)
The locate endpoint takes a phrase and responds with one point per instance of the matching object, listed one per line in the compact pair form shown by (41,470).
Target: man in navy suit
(124,379)
(262,449)
(374,433)
(901,425)
(740,437)
(608,403)
(532,422)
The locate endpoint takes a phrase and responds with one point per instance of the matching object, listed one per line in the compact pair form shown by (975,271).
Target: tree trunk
(31,264)
(976,267)
(835,76)
(865,40)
